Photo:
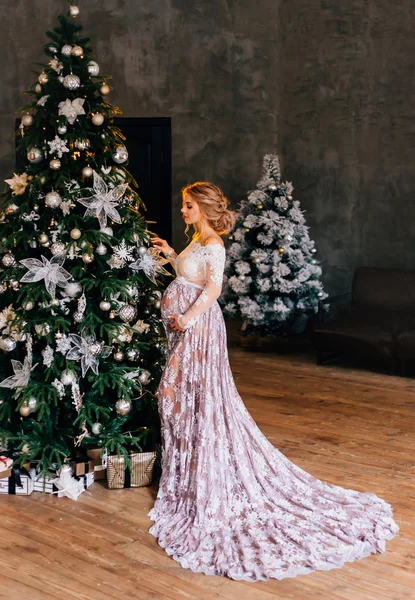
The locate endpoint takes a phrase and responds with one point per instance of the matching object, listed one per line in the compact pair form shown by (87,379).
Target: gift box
(20,482)
(99,462)
(82,465)
(87,479)
(140,473)
(43,483)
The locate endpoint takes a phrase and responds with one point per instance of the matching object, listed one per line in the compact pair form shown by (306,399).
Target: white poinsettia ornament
(88,350)
(103,201)
(50,270)
(71,109)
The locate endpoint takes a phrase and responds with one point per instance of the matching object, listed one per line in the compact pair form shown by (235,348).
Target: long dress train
(230,503)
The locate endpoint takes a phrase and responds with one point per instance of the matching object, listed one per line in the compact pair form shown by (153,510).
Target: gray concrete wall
(328,83)
(348,129)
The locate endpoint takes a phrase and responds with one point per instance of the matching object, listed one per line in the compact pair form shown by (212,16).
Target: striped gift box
(139,474)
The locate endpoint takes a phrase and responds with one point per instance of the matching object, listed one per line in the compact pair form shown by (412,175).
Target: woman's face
(190,210)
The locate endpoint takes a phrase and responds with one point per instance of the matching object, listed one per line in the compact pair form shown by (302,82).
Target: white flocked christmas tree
(272,278)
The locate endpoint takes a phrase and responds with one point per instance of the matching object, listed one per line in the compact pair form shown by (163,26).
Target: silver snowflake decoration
(72,109)
(124,252)
(48,356)
(103,201)
(42,101)
(50,270)
(86,349)
(58,146)
(72,186)
(63,344)
(116,263)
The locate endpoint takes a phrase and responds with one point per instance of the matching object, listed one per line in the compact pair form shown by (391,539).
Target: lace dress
(229,503)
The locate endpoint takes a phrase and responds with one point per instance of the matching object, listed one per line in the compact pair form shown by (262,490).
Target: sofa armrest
(324,305)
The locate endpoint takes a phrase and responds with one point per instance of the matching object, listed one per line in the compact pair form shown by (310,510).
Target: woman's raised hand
(161,245)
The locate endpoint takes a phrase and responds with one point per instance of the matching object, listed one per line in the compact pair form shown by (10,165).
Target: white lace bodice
(202,266)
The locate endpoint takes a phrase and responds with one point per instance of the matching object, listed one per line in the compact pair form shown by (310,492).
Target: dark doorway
(149,147)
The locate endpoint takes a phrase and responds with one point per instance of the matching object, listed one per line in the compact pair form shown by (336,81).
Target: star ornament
(103,201)
(18,183)
(72,109)
(50,270)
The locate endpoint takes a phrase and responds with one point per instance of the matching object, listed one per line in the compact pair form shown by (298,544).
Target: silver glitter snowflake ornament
(58,146)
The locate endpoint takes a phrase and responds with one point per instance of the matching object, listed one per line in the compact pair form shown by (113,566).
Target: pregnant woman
(230,503)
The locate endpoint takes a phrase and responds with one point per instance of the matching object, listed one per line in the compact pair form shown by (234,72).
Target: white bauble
(87,171)
(123,407)
(93,68)
(119,356)
(105,305)
(144,377)
(73,11)
(43,238)
(68,377)
(101,249)
(107,231)
(53,199)
(7,344)
(57,248)
(55,164)
(62,129)
(28,305)
(71,82)
(32,403)
(34,155)
(73,289)
(120,155)
(8,260)
(66,50)
(96,428)
(104,89)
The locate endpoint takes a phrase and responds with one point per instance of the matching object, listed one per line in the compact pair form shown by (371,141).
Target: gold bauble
(88,258)
(281,250)
(259,206)
(104,89)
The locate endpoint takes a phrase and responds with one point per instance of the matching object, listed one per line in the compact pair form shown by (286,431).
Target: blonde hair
(213,204)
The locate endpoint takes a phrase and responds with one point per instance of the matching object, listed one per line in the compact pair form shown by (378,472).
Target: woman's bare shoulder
(214,239)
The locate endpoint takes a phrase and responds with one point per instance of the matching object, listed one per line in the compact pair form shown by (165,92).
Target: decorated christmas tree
(81,341)
(272,278)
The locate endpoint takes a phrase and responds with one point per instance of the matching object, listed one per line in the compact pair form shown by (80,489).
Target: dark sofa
(376,320)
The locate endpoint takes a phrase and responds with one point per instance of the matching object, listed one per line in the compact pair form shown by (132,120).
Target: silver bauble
(101,249)
(96,428)
(119,356)
(132,354)
(105,305)
(7,344)
(313,250)
(272,187)
(73,10)
(53,199)
(8,260)
(97,119)
(43,238)
(77,51)
(88,258)
(320,294)
(120,154)
(62,129)
(82,144)
(144,377)
(34,155)
(127,313)
(66,50)
(38,88)
(68,377)
(95,349)
(78,317)
(107,231)
(28,305)
(55,164)
(71,82)
(73,289)
(87,171)
(75,233)
(24,410)
(142,250)
(123,407)
(57,248)
(93,68)
(42,328)
(27,120)
(32,403)
(43,78)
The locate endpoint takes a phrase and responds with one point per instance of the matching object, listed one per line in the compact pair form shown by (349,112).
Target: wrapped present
(99,462)
(82,465)
(44,483)
(20,482)
(5,463)
(87,479)
(139,474)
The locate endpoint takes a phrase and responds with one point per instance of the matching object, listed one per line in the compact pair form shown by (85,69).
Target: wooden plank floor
(347,426)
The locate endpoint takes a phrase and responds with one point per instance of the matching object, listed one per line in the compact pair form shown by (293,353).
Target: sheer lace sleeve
(214,264)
